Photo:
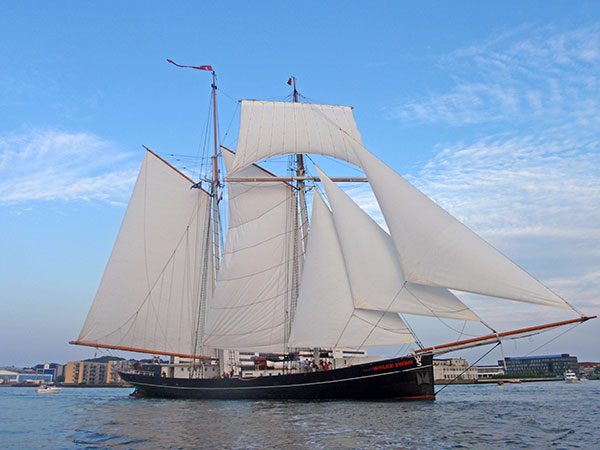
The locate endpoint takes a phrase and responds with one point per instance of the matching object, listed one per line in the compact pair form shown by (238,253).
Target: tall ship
(287,304)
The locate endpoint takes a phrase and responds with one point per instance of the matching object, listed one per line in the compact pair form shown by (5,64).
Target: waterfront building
(493,371)
(54,369)
(589,369)
(446,370)
(38,378)
(540,365)
(8,376)
(94,373)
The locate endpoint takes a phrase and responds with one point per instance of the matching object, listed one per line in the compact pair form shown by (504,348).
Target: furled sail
(326,315)
(435,249)
(248,309)
(276,128)
(160,268)
(373,266)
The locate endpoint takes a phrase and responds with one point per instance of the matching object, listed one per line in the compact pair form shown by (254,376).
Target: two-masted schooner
(286,308)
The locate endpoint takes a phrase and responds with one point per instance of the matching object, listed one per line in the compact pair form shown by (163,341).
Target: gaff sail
(160,271)
(250,303)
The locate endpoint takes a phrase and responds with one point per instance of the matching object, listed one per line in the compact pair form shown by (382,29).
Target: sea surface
(529,415)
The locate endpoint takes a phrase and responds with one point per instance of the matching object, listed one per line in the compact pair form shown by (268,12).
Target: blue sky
(492,109)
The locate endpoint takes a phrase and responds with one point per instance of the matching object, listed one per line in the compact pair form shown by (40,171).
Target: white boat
(571,377)
(47,390)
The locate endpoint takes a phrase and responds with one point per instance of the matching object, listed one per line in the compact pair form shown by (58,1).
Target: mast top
(293,83)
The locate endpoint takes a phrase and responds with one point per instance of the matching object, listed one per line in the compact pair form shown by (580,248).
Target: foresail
(150,295)
(376,278)
(326,316)
(435,249)
(248,309)
(277,128)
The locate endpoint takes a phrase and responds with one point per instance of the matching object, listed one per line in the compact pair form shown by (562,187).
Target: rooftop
(563,355)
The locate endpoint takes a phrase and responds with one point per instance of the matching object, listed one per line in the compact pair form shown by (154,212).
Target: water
(530,415)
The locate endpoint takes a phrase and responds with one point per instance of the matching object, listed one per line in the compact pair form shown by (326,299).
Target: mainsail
(277,128)
(326,315)
(374,269)
(435,249)
(160,270)
(250,304)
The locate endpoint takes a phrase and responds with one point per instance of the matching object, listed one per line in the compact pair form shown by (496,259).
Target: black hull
(404,378)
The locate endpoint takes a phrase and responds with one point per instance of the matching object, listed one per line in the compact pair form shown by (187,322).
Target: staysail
(250,303)
(160,269)
(277,128)
(373,266)
(435,249)
(326,315)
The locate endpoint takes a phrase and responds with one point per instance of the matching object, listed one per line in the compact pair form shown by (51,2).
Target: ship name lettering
(392,365)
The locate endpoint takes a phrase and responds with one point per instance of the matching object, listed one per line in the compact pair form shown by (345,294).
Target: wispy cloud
(51,165)
(538,186)
(527,179)
(527,74)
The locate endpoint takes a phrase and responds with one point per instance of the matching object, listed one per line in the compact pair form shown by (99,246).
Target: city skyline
(497,120)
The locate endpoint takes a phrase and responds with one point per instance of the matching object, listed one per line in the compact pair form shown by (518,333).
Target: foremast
(215,182)
(212,250)
(215,252)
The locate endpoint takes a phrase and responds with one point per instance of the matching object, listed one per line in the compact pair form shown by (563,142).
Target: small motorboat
(571,377)
(47,390)
(503,382)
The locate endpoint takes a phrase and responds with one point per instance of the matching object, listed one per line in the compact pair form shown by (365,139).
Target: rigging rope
(471,365)
(553,339)
(202,304)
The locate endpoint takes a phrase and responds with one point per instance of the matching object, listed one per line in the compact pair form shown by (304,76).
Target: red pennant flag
(289,81)
(208,68)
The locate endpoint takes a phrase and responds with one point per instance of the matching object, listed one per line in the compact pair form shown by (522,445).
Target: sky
(493,110)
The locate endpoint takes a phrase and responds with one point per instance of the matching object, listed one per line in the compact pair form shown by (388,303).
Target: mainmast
(301,172)
(301,228)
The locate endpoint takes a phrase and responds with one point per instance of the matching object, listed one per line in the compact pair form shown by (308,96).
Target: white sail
(248,309)
(325,315)
(149,297)
(435,249)
(373,266)
(276,128)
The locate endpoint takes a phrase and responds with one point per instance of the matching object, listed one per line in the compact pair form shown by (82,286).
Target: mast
(214,191)
(215,175)
(301,230)
(301,172)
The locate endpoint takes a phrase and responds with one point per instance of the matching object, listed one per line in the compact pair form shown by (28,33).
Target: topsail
(277,128)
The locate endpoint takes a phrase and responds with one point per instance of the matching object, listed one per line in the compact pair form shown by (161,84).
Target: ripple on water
(538,415)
